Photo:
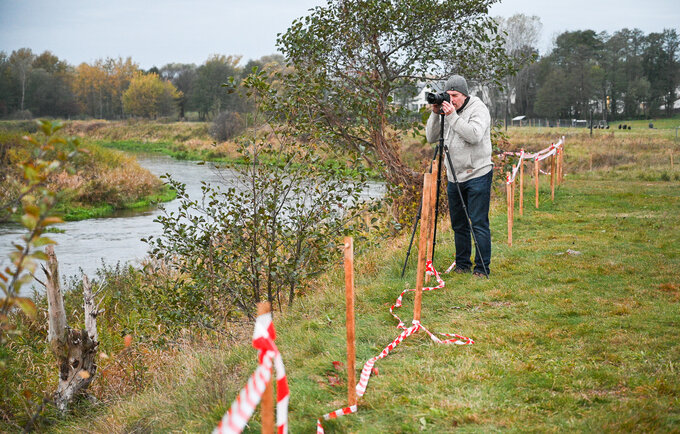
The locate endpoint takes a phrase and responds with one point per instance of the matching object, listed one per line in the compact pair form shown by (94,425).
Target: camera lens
(437,98)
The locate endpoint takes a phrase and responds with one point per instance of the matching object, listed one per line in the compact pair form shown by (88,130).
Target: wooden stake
(508,192)
(553,168)
(521,188)
(513,184)
(267,403)
(537,165)
(671,152)
(349,302)
(425,221)
(433,201)
(562,155)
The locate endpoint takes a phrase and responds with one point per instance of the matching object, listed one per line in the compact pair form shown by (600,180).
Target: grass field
(577,329)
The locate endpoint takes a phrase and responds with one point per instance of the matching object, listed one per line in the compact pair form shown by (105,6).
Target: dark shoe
(478,274)
(459,270)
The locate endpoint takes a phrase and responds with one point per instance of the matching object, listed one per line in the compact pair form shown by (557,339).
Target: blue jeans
(476,193)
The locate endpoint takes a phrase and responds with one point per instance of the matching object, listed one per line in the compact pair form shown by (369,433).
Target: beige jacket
(468,137)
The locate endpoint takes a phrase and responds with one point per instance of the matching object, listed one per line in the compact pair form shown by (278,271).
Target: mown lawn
(579,341)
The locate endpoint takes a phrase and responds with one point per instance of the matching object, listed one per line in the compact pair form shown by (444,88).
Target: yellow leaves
(84,374)
(52,220)
(149,96)
(23,303)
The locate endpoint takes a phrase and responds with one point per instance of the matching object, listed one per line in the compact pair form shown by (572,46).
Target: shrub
(258,236)
(226,126)
(21,115)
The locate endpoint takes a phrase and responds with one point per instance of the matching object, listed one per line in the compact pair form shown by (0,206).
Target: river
(87,244)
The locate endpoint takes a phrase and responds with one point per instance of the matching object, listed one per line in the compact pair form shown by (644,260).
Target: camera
(437,98)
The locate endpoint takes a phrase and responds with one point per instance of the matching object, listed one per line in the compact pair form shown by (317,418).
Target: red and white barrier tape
(553,149)
(429,271)
(368,366)
(243,407)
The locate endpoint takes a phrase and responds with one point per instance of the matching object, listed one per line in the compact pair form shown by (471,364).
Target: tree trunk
(75,350)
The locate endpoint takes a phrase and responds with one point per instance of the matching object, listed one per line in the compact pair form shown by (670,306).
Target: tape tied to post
(269,357)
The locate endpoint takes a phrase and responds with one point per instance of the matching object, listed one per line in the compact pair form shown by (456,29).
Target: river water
(87,244)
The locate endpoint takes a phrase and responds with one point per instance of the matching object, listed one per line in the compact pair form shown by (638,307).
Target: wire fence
(554,123)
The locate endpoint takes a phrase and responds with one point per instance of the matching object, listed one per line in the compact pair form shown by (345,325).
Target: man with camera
(467,135)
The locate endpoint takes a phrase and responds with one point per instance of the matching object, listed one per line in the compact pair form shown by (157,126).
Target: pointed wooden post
(562,155)
(267,403)
(425,221)
(433,201)
(521,187)
(558,166)
(671,152)
(349,302)
(513,185)
(508,192)
(553,169)
(537,170)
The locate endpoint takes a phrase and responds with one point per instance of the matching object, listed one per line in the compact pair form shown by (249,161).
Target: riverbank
(557,334)
(96,183)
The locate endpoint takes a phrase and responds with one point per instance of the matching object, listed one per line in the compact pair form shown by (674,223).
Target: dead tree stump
(75,350)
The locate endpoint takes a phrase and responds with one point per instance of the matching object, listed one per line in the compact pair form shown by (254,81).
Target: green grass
(564,342)
(659,123)
(77,211)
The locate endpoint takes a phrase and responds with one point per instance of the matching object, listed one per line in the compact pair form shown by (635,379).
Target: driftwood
(75,350)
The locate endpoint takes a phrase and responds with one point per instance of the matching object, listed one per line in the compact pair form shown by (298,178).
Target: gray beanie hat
(458,83)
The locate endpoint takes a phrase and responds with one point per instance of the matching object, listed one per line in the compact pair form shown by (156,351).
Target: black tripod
(439,151)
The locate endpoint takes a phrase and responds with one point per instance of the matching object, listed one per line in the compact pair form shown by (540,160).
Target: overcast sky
(156,32)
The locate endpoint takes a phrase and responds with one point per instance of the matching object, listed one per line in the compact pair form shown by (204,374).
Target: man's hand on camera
(448,108)
(435,108)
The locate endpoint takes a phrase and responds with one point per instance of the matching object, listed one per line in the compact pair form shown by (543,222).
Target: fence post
(267,403)
(562,154)
(422,244)
(433,201)
(521,187)
(671,152)
(508,192)
(349,303)
(536,172)
(553,168)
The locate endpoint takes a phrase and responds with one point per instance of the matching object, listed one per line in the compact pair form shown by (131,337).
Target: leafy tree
(149,96)
(350,57)
(522,34)
(50,90)
(99,87)
(6,93)
(576,56)
(182,76)
(208,97)
(22,63)
(662,68)
(552,99)
(261,233)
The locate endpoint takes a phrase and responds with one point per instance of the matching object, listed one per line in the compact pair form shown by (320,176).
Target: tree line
(44,85)
(624,75)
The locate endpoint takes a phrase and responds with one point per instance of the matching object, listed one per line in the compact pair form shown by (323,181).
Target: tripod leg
(420,210)
(413,234)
